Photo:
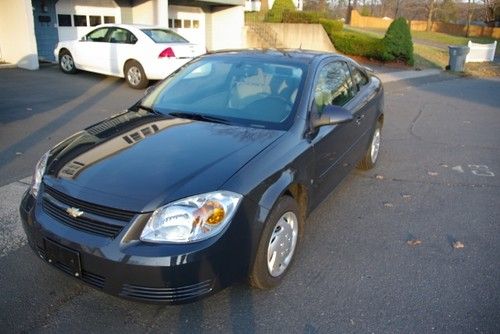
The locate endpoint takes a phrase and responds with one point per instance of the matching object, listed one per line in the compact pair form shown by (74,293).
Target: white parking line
(11,232)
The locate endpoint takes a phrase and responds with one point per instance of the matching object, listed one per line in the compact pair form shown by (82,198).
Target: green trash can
(457,57)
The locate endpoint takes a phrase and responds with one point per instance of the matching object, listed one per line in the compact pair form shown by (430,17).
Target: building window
(196,24)
(177,23)
(94,20)
(187,23)
(109,19)
(64,20)
(80,20)
(170,24)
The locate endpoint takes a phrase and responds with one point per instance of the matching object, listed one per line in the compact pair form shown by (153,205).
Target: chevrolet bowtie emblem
(74,212)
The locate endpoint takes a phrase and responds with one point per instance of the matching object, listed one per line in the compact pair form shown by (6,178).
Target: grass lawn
(451,39)
(429,57)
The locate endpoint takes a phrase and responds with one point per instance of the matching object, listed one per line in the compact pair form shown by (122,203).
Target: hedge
(397,41)
(302,17)
(358,44)
(279,7)
(331,26)
(396,44)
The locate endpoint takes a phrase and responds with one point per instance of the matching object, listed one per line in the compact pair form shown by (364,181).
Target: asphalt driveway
(377,255)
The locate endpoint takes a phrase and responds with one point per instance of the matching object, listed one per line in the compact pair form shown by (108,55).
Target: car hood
(139,161)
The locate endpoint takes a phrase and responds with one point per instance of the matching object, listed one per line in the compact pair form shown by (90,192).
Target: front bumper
(126,267)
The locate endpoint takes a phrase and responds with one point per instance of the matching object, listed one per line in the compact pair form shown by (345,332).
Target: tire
(371,155)
(66,62)
(282,231)
(135,76)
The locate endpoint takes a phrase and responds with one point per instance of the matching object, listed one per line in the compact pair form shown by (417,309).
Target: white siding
(17,34)
(191,14)
(225,28)
(88,7)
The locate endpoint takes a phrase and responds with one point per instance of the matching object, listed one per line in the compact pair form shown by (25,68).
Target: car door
(333,143)
(92,51)
(364,112)
(122,47)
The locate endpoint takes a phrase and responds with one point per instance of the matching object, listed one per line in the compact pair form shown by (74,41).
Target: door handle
(359,119)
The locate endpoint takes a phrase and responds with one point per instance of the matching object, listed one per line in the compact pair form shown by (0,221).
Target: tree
(430,7)
(446,11)
(264,5)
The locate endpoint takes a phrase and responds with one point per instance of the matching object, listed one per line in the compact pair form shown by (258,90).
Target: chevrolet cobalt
(209,178)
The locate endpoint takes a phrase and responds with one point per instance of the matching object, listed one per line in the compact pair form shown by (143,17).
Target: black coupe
(209,178)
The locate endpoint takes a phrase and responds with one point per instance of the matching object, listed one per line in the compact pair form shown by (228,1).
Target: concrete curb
(405,75)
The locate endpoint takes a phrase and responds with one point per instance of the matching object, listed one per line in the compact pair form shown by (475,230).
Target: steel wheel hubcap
(282,244)
(375,145)
(134,75)
(67,62)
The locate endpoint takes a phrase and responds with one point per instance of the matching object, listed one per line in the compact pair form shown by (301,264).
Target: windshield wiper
(149,109)
(199,117)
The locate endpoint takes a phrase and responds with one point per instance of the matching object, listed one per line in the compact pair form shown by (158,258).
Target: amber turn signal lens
(215,212)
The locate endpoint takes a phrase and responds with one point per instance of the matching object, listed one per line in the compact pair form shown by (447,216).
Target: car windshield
(164,36)
(241,91)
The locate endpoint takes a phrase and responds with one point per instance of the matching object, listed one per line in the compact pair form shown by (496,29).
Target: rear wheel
(371,155)
(66,62)
(277,244)
(135,76)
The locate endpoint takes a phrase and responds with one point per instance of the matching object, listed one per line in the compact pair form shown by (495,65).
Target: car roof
(298,55)
(131,26)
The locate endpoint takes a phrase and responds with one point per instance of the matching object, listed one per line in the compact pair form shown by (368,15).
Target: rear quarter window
(164,36)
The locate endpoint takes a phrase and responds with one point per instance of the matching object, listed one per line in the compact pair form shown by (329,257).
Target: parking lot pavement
(377,255)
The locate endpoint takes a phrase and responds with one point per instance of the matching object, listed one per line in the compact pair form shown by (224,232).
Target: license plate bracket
(63,257)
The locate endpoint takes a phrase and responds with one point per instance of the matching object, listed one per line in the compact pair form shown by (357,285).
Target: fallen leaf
(458,245)
(379,177)
(432,173)
(388,205)
(443,165)
(414,242)
(406,196)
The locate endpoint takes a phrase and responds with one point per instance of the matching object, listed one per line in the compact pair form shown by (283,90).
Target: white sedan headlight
(38,174)
(191,219)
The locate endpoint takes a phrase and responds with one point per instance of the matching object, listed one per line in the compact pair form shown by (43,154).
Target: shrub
(397,42)
(302,17)
(358,44)
(331,26)
(279,6)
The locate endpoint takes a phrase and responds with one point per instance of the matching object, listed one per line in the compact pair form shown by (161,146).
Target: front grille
(166,294)
(96,209)
(99,220)
(93,279)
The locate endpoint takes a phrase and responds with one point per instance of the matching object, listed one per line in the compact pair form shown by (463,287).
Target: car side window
(360,79)
(98,35)
(334,85)
(122,36)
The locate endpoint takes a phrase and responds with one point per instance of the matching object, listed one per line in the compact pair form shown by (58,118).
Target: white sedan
(136,53)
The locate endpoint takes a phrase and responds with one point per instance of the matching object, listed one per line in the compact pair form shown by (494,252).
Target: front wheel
(277,244)
(135,76)
(66,62)
(371,155)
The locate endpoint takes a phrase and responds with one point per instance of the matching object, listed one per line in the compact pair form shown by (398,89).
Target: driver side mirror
(83,39)
(329,116)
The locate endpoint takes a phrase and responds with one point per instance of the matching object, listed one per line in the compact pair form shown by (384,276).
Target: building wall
(224,28)
(292,36)
(192,21)
(17,34)
(89,7)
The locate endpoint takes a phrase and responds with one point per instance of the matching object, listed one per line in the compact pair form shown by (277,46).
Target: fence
(481,52)
(448,28)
